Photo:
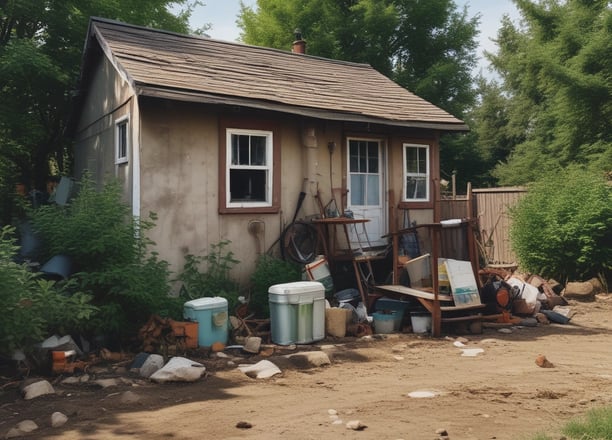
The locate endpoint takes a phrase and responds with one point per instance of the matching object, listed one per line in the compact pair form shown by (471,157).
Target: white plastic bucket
(421,322)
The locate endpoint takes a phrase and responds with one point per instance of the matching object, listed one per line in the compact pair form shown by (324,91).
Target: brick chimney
(299,45)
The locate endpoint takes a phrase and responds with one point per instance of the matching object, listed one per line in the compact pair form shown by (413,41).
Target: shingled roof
(192,68)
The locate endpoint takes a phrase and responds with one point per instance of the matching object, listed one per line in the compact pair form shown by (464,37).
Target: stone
(441,432)
(355,425)
(261,370)
(179,369)
(399,348)
(71,380)
(37,389)
(151,364)
(506,331)
(244,425)
(22,428)
(579,291)
(252,344)
(462,340)
(106,383)
(542,362)
(58,419)
(129,397)
(309,359)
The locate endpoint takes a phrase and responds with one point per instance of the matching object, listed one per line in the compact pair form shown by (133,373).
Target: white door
(366,184)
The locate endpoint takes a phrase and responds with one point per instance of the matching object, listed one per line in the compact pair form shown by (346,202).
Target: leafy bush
(209,275)
(562,228)
(111,252)
(268,272)
(32,308)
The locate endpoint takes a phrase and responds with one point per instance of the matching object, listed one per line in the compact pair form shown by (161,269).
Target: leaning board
(462,282)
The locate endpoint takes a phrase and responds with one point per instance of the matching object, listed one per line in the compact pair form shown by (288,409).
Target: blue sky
(221,14)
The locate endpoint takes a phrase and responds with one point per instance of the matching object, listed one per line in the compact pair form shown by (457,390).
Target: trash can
(212,318)
(297,312)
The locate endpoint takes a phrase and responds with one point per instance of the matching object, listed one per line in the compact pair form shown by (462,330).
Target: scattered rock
(252,344)
(22,428)
(106,383)
(71,380)
(332,412)
(422,394)
(129,397)
(58,419)
(244,425)
(441,432)
(355,425)
(179,369)
(309,359)
(462,340)
(580,291)
(222,355)
(261,370)
(506,331)
(151,364)
(37,389)
(542,362)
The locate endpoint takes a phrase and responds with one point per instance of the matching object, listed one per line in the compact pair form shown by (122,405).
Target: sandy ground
(498,394)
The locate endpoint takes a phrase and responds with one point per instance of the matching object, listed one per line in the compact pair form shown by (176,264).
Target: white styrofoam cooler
(212,317)
(297,312)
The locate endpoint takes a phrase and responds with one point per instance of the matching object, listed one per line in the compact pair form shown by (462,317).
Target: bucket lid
(297,287)
(206,303)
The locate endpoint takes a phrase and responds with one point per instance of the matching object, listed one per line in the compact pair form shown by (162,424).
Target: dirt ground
(499,394)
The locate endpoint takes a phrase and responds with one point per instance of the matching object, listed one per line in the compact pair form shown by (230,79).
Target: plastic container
(421,322)
(394,305)
(297,312)
(419,271)
(384,323)
(212,318)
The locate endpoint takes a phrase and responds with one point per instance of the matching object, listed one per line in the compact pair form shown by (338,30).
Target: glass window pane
(258,150)
(357,189)
(422,154)
(243,150)
(363,157)
(353,157)
(373,192)
(416,188)
(249,185)
(411,160)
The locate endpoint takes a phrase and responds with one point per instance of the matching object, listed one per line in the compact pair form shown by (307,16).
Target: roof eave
(320,113)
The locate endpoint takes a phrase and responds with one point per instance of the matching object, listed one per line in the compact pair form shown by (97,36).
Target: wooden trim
(250,124)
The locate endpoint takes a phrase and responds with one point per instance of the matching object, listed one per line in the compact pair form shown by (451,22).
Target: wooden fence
(490,207)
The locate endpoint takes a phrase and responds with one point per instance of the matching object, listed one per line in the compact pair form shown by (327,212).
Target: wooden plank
(403,290)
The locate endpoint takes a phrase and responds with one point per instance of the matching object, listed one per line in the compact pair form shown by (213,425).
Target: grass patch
(594,425)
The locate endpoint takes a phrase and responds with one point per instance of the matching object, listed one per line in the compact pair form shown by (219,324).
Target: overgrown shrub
(111,252)
(562,228)
(209,275)
(33,308)
(269,271)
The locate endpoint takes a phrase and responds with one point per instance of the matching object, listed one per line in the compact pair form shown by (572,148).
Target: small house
(221,139)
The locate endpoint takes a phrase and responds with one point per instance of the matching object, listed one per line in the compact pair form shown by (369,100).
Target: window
(122,140)
(416,173)
(364,158)
(249,170)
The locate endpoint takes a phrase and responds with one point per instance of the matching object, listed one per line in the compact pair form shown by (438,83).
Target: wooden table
(327,228)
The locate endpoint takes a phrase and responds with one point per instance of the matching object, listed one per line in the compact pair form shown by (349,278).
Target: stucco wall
(180,183)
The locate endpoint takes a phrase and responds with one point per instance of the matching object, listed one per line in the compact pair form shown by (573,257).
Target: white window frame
(268,168)
(419,173)
(119,124)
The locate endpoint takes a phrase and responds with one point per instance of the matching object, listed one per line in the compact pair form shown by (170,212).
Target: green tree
(40,53)
(427,47)
(554,102)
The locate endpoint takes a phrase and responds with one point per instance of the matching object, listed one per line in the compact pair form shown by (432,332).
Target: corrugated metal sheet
(190,67)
